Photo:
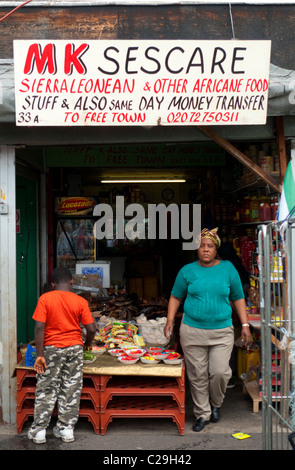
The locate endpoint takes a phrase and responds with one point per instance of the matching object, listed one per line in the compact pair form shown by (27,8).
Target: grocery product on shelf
(121,333)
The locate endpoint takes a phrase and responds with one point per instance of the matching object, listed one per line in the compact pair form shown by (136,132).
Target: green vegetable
(87,356)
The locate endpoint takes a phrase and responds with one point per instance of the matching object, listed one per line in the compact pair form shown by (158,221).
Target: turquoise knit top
(207,293)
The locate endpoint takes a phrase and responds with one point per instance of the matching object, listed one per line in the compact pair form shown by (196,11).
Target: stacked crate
(105,397)
(26,384)
(142,397)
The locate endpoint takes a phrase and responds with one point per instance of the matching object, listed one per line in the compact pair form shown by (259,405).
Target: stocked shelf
(273,280)
(250,181)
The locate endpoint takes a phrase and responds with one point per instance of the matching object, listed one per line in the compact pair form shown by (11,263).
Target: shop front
(113,174)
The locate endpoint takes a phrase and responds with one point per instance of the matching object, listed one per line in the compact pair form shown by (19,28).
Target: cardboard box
(135,286)
(141,267)
(150,288)
(144,287)
(96,267)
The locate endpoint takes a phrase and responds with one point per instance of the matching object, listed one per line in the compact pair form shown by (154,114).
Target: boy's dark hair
(60,275)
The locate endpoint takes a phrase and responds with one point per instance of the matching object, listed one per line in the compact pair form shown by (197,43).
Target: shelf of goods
(113,390)
(254,387)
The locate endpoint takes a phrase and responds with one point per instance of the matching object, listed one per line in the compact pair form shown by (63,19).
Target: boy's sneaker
(67,435)
(39,437)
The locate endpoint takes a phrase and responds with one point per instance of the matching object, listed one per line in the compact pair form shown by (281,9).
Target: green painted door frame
(26,256)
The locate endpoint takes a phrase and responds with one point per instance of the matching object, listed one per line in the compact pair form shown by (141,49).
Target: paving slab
(156,434)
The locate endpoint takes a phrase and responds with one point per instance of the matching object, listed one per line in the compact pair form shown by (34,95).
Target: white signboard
(141,82)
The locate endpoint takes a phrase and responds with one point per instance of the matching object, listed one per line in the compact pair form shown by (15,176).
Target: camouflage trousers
(60,384)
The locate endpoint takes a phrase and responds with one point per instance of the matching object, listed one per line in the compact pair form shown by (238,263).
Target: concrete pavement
(156,434)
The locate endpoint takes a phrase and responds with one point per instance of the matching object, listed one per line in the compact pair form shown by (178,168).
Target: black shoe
(199,425)
(215,416)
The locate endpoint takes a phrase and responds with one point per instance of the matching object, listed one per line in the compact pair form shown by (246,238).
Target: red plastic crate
(142,407)
(105,397)
(22,374)
(86,410)
(142,386)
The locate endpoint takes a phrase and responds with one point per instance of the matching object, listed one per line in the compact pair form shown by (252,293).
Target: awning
(281,95)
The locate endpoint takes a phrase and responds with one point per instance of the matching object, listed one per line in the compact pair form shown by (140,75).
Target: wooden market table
(113,390)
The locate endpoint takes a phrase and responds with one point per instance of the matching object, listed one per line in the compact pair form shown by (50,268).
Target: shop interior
(144,269)
(231,198)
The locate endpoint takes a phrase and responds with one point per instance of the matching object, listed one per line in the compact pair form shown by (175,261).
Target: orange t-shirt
(62,312)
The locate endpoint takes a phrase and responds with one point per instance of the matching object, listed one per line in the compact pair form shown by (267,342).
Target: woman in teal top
(207,287)
(207,294)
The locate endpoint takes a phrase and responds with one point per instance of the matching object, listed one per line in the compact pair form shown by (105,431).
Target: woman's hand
(168,329)
(240,307)
(40,365)
(173,306)
(246,335)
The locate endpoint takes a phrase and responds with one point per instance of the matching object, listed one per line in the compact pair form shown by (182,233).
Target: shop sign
(183,155)
(141,82)
(74,205)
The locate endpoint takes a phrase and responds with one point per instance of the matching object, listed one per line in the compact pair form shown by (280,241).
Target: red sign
(74,205)
(17,219)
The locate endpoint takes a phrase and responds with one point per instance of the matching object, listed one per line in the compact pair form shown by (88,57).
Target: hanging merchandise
(254,209)
(245,210)
(246,248)
(237,212)
(274,207)
(225,213)
(218,217)
(236,245)
(276,158)
(265,212)
(253,153)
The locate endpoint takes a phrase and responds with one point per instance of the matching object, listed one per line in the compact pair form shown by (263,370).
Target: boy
(59,361)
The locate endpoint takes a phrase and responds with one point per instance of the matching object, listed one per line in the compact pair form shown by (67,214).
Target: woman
(207,287)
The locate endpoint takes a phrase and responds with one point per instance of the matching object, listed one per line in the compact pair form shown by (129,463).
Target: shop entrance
(103,173)
(138,174)
(27,263)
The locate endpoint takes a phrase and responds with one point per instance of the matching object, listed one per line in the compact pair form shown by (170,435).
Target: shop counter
(113,390)
(106,364)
